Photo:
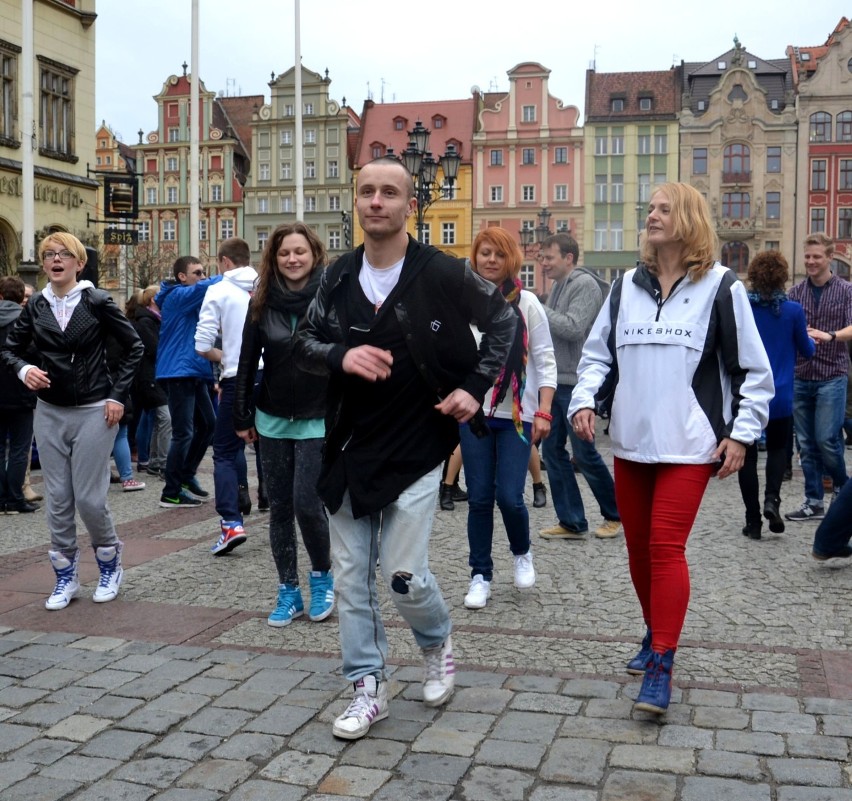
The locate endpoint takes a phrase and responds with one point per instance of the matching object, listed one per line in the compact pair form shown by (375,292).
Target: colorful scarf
(514,373)
(773,301)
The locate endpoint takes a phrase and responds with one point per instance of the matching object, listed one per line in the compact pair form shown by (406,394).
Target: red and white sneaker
(230,538)
(132,485)
(368,706)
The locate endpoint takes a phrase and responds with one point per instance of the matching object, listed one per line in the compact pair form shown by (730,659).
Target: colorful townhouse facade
(63,76)
(527,160)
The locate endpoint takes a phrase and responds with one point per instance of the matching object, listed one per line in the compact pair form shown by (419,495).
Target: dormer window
(806,56)
(399,123)
(752,64)
(645,103)
(774,105)
(617,104)
(438,121)
(702,105)
(722,65)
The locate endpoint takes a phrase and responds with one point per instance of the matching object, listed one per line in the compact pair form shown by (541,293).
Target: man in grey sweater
(574,301)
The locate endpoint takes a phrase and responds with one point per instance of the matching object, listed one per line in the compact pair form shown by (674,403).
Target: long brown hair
(268,269)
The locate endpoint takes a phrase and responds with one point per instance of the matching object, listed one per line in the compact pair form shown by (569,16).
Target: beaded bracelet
(544,416)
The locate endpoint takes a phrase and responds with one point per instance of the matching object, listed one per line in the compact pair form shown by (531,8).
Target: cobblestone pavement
(180,691)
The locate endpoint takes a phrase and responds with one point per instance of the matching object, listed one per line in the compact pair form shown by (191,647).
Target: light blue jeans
(397,538)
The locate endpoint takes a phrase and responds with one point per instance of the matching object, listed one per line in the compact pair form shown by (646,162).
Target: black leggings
(777,436)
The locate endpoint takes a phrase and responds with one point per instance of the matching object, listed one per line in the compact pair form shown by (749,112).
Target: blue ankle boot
(637,665)
(656,691)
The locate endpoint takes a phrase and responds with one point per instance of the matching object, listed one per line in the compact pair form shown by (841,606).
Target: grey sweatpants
(74,446)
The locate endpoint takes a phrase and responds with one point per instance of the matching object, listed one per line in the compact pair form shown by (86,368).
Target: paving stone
(627,785)
(653,758)
(413,790)
(176,701)
(349,780)
(808,772)
(77,696)
(616,731)
(107,679)
(750,742)
(465,721)
(541,702)
(509,754)
(112,706)
(783,722)
(558,792)
(13,772)
(43,751)
(576,761)
(436,768)
(494,784)
(316,738)
(480,699)
(813,794)
(217,721)
(591,688)
(307,664)
(19,697)
(204,685)
(79,728)
(374,753)
(404,731)
(189,794)
(44,714)
(619,708)
(280,719)
(184,653)
(808,745)
(273,682)
(83,769)
(769,702)
(411,710)
(240,699)
(117,744)
(828,706)
(149,719)
(217,774)
(445,741)
(53,679)
(255,790)
(40,788)
(730,764)
(710,717)
(527,727)
(700,789)
(712,698)
(184,745)
(140,663)
(99,643)
(154,771)
(836,726)
(547,685)
(255,747)
(685,737)
(295,767)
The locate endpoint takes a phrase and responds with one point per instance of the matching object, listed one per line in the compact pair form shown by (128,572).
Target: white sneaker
(524,571)
(67,584)
(369,704)
(109,563)
(440,678)
(478,593)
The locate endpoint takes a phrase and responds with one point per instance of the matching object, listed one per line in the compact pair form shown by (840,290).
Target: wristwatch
(833,335)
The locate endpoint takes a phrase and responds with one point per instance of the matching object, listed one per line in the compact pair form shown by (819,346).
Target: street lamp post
(346,220)
(418,160)
(529,236)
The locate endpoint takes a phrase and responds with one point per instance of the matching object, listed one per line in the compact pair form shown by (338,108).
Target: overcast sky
(404,51)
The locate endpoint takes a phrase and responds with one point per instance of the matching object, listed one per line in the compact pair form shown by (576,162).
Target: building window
(817,221)
(818,175)
(600,145)
(174,134)
(289,110)
(334,239)
(772,244)
(448,233)
(333,169)
(310,169)
(216,193)
(773,205)
(171,194)
(437,122)
(617,145)
(171,164)
(616,232)
(264,172)
(378,151)
(226,229)
(773,159)
(496,194)
(661,144)
(644,144)
(262,238)
(286,137)
(844,126)
(600,188)
(151,195)
(528,155)
(820,127)
(286,171)
(735,256)
(845,175)
(263,205)
(57,108)
(528,113)
(334,202)
(202,230)
(98,161)
(699,161)
(144,230)
(426,235)
(528,193)
(310,136)
(644,187)
(496,158)
(399,124)
(169,230)
(560,155)
(844,224)
(659,178)
(736,206)
(616,194)
(601,235)
(448,190)
(309,109)
(286,205)
(645,103)
(617,104)
(560,192)
(310,203)
(527,276)
(8,91)
(736,163)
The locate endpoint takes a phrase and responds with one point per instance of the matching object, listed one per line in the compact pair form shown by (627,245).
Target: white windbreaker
(685,372)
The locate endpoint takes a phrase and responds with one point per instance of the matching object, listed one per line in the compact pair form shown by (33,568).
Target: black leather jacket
(74,359)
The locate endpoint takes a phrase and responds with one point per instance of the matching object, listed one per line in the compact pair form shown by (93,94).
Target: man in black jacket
(391,325)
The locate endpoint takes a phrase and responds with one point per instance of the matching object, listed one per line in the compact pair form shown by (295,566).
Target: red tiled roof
(602,87)
(239,111)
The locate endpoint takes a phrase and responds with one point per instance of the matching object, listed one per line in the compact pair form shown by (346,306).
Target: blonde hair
(68,242)
(693,227)
(148,294)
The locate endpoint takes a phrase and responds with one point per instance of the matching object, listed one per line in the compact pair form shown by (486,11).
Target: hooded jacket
(150,393)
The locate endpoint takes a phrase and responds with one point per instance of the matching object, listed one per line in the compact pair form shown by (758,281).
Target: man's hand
(368,362)
(732,455)
(459,404)
(113,412)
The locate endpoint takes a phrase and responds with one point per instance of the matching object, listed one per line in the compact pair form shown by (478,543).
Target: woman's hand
(248,435)
(583,424)
(113,412)
(36,379)
(732,455)
(540,430)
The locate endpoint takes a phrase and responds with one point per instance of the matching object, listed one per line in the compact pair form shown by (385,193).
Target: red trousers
(658,504)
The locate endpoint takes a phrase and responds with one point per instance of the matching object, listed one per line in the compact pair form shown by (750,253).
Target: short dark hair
(566,244)
(235,249)
(12,288)
(182,263)
(394,161)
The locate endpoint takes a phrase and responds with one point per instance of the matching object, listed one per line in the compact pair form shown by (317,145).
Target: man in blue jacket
(187,378)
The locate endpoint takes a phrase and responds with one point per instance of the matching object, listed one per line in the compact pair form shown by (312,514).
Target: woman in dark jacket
(288,416)
(80,403)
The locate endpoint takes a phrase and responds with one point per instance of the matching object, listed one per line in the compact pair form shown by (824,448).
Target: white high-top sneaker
(109,563)
(67,583)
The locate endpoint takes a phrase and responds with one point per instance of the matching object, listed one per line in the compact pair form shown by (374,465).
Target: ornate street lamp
(537,235)
(346,220)
(418,160)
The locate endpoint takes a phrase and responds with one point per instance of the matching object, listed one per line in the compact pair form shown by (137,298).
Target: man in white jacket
(223,314)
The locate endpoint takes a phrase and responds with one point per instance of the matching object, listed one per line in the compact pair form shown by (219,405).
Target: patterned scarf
(514,373)
(773,301)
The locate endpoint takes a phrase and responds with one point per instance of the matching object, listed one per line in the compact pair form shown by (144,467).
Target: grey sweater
(571,308)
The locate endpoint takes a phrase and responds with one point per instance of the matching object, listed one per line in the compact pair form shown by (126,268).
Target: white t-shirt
(378,284)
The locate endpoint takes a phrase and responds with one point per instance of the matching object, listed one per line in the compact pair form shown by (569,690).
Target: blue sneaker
(290,605)
(656,691)
(637,665)
(322,594)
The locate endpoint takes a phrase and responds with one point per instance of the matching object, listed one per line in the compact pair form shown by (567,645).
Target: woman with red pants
(676,351)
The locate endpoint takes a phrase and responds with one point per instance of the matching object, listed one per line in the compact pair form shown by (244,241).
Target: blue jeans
(193,421)
(121,453)
(835,530)
(16,427)
(229,461)
(495,468)
(819,408)
(397,538)
(144,429)
(560,472)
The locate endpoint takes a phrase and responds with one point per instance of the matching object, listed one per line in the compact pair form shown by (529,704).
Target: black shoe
(458,494)
(788,474)
(446,498)
(844,553)
(21,507)
(194,489)
(157,472)
(539,495)
(773,514)
(243,500)
(182,501)
(752,530)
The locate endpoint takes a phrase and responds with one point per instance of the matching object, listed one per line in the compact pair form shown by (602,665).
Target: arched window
(844,126)
(736,163)
(820,129)
(735,256)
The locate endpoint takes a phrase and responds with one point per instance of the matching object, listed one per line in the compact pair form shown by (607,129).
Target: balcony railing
(736,177)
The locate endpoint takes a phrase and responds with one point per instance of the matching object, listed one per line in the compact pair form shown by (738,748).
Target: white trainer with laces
(478,593)
(524,571)
(440,678)
(67,584)
(109,564)
(368,705)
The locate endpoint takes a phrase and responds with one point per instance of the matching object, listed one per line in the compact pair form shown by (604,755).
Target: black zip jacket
(74,359)
(147,390)
(13,393)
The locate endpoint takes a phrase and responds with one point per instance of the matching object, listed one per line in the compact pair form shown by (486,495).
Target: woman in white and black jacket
(676,351)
